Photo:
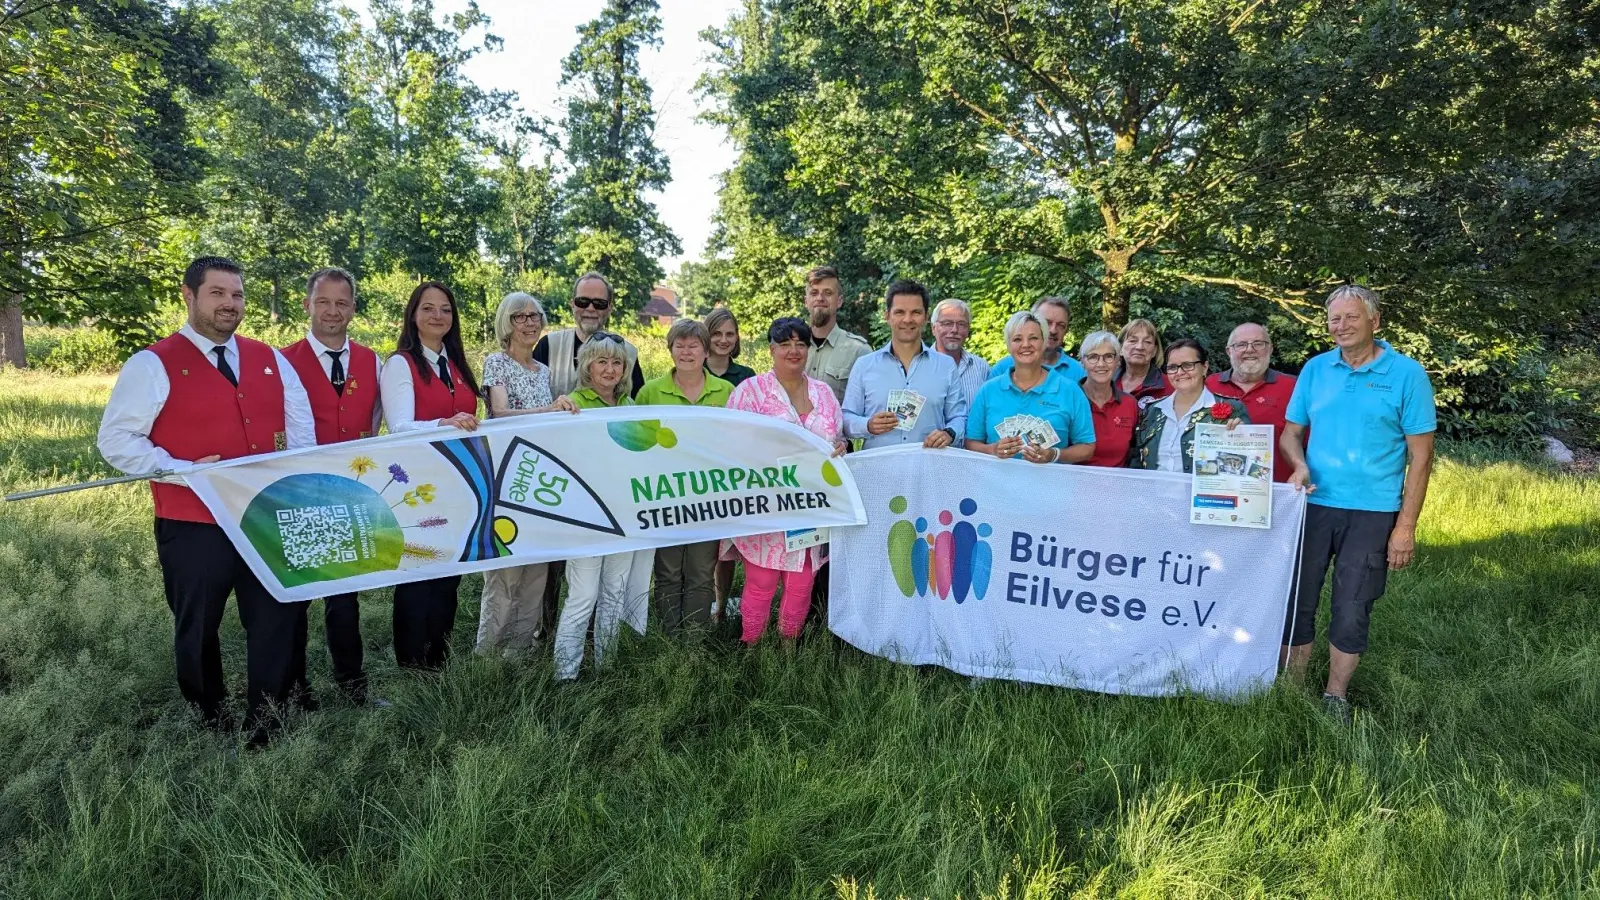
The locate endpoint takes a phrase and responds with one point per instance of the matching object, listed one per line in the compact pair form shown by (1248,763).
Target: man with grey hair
(1056,314)
(1371,418)
(952,325)
(592,302)
(1249,379)
(341,381)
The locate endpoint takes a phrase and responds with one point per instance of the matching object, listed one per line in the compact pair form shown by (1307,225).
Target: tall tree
(609,142)
(94,156)
(524,232)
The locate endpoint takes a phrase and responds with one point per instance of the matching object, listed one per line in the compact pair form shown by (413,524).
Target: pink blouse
(765,395)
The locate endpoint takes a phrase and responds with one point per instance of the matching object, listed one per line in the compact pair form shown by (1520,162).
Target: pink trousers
(756,604)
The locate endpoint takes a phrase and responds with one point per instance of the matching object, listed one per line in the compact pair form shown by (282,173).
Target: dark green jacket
(1147,435)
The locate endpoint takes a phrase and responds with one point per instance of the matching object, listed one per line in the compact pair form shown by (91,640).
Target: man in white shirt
(198,396)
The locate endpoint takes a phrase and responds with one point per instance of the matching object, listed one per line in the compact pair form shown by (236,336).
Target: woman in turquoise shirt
(1030,389)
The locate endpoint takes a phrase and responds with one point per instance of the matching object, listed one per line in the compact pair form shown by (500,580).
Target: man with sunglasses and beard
(592,300)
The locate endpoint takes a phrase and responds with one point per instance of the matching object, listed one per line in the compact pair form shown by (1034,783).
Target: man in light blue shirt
(952,325)
(904,364)
(1371,412)
(1056,314)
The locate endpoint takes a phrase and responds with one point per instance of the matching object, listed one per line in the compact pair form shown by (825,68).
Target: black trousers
(424,615)
(199,568)
(1355,543)
(341,625)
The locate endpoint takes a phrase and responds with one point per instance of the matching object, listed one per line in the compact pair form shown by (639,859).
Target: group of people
(1355,430)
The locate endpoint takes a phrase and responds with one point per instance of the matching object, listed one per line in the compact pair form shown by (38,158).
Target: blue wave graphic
(470,456)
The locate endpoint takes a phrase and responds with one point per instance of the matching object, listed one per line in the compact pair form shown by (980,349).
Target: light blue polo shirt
(1359,420)
(1055,399)
(1066,365)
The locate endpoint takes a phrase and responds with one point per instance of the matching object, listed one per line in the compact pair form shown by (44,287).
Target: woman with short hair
(511,615)
(1029,391)
(723,330)
(684,574)
(1140,373)
(1114,411)
(1164,439)
(599,588)
(789,394)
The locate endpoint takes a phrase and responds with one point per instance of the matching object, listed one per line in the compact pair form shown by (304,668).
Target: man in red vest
(197,396)
(341,381)
(1251,380)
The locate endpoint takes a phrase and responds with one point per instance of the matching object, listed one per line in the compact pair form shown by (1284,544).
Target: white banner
(1068,575)
(424,504)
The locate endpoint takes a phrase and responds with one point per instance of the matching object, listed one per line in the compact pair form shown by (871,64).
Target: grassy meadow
(1472,769)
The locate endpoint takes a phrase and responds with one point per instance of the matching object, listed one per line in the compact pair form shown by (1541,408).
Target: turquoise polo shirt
(1359,420)
(1066,365)
(1055,399)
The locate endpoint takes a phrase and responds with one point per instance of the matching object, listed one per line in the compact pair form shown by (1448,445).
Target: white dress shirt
(322,351)
(142,389)
(399,399)
(1171,449)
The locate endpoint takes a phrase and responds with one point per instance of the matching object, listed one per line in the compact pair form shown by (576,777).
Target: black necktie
(444,373)
(336,374)
(223,367)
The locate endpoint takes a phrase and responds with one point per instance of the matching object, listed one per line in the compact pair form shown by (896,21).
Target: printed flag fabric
(1076,576)
(425,504)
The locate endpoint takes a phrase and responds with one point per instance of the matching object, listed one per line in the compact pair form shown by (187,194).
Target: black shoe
(1336,708)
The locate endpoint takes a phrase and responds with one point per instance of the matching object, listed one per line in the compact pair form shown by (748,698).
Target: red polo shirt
(1266,401)
(1113,427)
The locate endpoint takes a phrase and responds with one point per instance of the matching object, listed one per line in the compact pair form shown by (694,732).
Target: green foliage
(706,770)
(609,142)
(1578,374)
(84,351)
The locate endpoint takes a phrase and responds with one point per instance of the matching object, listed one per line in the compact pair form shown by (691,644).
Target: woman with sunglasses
(425,384)
(592,302)
(1164,439)
(512,616)
(599,588)
(789,394)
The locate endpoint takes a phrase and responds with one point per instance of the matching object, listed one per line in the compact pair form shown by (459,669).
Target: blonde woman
(513,616)
(1140,373)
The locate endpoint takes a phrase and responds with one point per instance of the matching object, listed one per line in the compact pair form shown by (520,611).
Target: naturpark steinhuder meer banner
(425,504)
(1082,577)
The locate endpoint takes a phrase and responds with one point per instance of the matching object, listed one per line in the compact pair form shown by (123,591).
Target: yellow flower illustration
(424,493)
(361,465)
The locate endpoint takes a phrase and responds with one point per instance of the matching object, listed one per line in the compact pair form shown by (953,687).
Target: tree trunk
(1113,289)
(12,351)
(277,298)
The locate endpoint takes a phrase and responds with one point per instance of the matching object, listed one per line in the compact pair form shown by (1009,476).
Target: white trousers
(597,589)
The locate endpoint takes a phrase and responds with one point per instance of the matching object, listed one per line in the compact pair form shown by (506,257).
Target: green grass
(1472,771)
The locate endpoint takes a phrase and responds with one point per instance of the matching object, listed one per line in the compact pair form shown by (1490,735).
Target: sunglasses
(591,303)
(607,336)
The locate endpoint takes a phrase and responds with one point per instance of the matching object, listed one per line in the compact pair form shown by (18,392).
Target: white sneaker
(733,607)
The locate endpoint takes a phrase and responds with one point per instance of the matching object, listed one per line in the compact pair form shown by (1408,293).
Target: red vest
(205,415)
(339,417)
(434,400)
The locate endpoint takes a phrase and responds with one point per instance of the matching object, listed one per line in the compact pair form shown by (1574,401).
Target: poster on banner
(425,504)
(1232,479)
(1076,576)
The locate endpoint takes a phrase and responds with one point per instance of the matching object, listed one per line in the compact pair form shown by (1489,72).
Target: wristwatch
(950,431)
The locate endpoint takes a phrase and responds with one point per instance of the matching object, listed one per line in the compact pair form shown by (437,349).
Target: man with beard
(952,325)
(1264,391)
(592,301)
(198,396)
(833,350)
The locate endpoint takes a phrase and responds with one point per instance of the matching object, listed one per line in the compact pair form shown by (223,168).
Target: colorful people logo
(954,561)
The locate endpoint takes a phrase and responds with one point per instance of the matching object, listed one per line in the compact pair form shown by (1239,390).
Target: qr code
(316,536)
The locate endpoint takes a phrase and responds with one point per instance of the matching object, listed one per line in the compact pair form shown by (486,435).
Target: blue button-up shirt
(1068,367)
(972,371)
(932,374)
(1359,420)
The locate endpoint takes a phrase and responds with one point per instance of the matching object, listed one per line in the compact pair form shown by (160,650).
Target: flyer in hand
(1232,480)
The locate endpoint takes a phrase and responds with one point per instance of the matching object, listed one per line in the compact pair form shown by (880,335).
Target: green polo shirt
(586,398)
(665,391)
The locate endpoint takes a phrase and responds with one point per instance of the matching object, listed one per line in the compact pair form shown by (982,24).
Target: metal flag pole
(104,482)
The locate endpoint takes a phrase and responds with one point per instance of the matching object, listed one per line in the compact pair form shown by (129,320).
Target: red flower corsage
(1221,411)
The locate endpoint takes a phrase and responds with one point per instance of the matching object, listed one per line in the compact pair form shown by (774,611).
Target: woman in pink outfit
(785,393)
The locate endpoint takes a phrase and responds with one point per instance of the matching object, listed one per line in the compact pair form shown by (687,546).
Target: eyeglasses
(591,303)
(1184,367)
(1100,358)
(608,336)
(526,318)
(1250,345)
(942,323)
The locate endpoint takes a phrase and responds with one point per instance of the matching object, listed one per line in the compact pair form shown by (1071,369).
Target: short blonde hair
(689,328)
(1019,319)
(515,302)
(1367,296)
(597,347)
(1155,335)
